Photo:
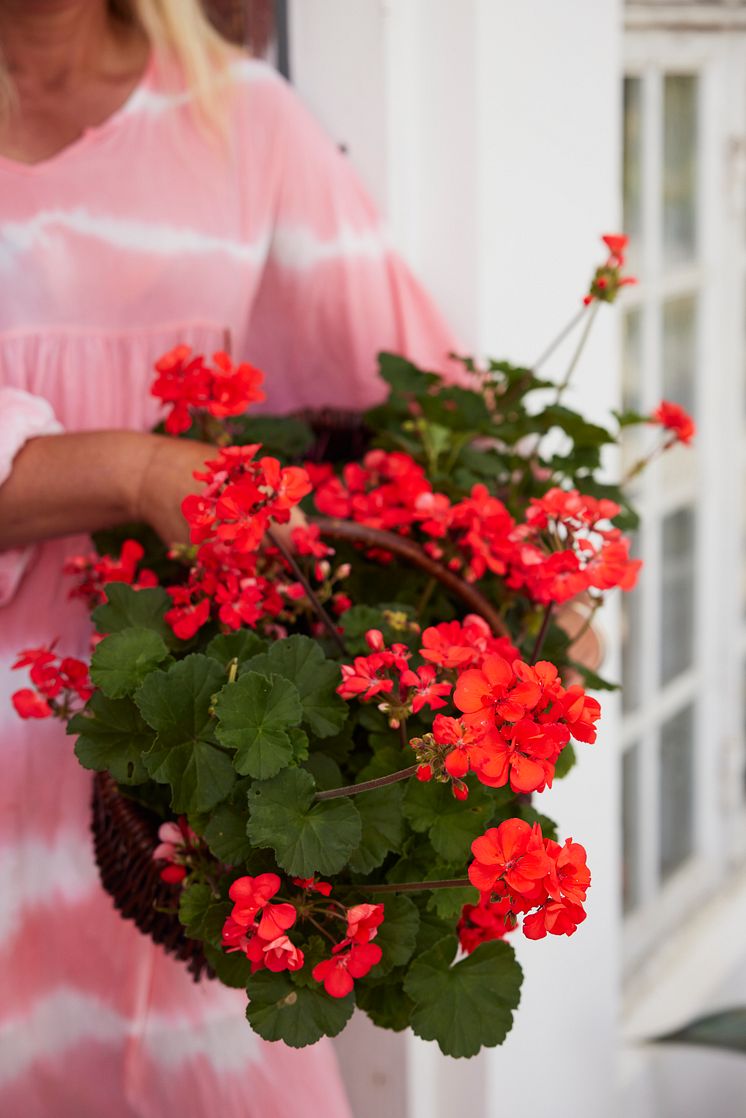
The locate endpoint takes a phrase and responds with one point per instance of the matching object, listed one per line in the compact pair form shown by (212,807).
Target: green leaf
(121,661)
(432,929)
(451,824)
(592,680)
(178,704)
(202,916)
(566,761)
(297,1015)
(530,815)
(301,660)
(385,1002)
(308,836)
(324,770)
(241,646)
(383,827)
(447,903)
(226,836)
(403,376)
(467,1006)
(255,715)
(397,935)
(630,418)
(232,969)
(725,1029)
(126,608)
(282,436)
(583,434)
(112,736)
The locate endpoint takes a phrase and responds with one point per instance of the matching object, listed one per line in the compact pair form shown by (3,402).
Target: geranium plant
(349,741)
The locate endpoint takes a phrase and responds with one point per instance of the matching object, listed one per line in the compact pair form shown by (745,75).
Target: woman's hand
(164,479)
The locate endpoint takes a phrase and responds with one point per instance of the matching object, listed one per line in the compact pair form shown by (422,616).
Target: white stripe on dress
(292,246)
(35,873)
(169,1041)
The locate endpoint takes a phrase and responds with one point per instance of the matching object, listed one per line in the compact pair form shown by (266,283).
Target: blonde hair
(184,42)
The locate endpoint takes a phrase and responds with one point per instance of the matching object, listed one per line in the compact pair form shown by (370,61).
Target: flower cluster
(187,383)
(567,546)
(355,955)
(228,521)
(515,719)
(259,928)
(58,683)
(94,572)
(386,673)
(515,865)
(608,279)
(177,842)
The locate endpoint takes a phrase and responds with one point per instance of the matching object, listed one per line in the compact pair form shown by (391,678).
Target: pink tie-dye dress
(144,233)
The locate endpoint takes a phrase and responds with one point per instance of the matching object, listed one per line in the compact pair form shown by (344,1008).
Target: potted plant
(321,768)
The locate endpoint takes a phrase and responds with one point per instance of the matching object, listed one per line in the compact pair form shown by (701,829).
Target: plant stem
(542,633)
(323,930)
(578,350)
(368,785)
(321,613)
(417,886)
(568,329)
(426,595)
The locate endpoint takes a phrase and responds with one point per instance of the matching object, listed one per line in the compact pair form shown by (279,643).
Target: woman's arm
(64,484)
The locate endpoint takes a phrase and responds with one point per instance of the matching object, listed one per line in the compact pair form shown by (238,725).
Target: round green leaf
(397,935)
(121,661)
(383,827)
(301,660)
(308,836)
(226,836)
(255,716)
(178,704)
(451,824)
(467,1006)
(297,1015)
(113,737)
(126,608)
(241,646)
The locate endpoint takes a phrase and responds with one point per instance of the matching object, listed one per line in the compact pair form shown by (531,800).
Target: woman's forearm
(64,484)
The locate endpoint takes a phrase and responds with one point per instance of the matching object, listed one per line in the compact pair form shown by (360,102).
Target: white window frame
(715,681)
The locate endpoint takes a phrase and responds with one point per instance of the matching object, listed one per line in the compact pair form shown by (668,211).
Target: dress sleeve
(333,293)
(22,417)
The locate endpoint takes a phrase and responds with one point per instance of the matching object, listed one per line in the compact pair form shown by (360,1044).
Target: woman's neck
(50,46)
(71,66)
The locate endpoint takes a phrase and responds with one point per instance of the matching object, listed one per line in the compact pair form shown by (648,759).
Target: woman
(155,187)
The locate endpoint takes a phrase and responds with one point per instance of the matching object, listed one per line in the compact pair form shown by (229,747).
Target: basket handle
(336,529)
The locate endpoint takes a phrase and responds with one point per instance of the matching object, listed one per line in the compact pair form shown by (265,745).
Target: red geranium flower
(676,420)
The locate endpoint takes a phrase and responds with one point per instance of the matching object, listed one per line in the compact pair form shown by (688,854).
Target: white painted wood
(492,143)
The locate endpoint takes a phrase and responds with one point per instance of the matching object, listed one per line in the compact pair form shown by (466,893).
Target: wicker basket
(124,836)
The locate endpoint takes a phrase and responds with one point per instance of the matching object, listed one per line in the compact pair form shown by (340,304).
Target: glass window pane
(679,167)
(632,643)
(632,166)
(677,594)
(676,791)
(632,361)
(630,829)
(680,350)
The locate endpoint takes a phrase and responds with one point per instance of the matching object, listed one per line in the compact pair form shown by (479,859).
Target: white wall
(488,131)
